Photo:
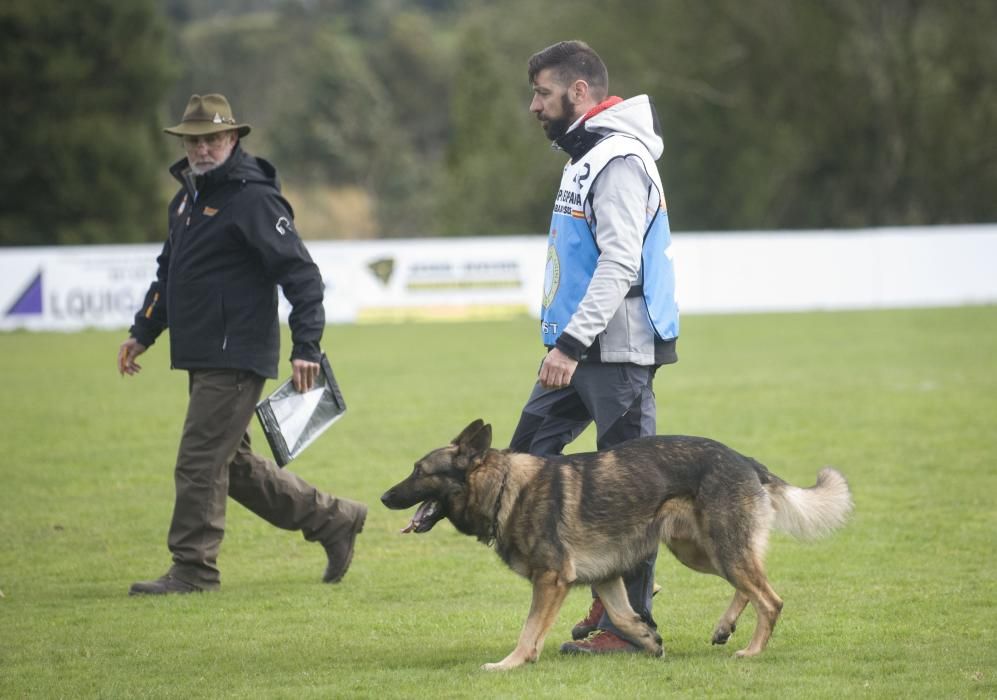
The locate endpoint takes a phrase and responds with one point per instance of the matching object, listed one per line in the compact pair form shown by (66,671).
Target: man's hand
(304,374)
(557,370)
(129,350)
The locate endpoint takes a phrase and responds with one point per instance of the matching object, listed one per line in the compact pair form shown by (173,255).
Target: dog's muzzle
(426,515)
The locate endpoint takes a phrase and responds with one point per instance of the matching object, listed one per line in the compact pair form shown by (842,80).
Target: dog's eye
(417,471)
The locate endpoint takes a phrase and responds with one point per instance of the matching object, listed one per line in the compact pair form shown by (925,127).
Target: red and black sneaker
(600,642)
(588,625)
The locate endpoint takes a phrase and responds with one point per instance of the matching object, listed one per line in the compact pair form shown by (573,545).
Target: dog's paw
(659,650)
(650,641)
(722,633)
(498,666)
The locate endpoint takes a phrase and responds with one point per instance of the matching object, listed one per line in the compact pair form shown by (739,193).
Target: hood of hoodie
(240,167)
(635,117)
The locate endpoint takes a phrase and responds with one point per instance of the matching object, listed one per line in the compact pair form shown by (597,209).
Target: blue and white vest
(572,251)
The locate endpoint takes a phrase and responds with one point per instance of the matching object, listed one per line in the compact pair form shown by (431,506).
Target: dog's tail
(808,514)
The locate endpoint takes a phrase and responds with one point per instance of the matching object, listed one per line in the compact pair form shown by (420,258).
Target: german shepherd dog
(590,518)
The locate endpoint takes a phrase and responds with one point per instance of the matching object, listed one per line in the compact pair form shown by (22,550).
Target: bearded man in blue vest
(609,317)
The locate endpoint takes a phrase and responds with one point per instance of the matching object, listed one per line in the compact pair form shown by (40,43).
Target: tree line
(775,113)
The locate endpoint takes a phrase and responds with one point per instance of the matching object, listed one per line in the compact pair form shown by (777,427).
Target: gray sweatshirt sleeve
(619,216)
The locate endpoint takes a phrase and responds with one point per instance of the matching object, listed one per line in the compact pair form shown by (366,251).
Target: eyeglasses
(211,140)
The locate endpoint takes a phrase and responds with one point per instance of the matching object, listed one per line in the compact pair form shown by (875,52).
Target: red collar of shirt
(604,105)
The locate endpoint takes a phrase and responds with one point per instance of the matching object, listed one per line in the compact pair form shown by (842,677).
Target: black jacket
(231,242)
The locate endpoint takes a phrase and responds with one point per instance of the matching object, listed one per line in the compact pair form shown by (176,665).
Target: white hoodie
(625,198)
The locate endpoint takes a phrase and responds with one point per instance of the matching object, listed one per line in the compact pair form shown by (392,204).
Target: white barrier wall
(67,288)
(854,269)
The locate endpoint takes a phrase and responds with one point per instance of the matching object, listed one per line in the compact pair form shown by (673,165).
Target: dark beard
(556,128)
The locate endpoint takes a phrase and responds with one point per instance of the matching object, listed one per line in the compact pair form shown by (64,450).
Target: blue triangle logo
(30,301)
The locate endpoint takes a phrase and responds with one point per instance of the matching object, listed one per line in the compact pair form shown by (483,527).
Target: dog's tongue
(423,513)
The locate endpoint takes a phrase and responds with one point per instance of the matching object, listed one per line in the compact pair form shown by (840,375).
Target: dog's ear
(475,438)
(466,433)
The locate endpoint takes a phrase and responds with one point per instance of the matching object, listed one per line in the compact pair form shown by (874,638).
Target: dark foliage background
(411,116)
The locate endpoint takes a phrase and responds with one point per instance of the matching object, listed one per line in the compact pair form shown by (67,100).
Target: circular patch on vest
(552,276)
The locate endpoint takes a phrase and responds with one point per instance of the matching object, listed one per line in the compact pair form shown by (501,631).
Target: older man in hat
(231,241)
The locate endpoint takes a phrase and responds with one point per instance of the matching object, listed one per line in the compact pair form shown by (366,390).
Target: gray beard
(201,171)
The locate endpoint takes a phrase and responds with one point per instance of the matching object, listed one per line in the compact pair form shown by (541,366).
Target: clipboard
(293,420)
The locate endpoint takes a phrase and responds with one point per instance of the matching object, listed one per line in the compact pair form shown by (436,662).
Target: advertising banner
(73,287)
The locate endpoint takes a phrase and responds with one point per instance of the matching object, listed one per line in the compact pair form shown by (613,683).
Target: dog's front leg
(549,592)
(614,596)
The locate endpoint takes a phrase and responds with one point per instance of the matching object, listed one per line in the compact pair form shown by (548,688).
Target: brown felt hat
(207,114)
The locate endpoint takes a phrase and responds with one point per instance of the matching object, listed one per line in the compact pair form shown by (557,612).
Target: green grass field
(899,604)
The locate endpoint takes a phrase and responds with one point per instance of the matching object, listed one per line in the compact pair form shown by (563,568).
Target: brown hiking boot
(600,642)
(164,585)
(588,625)
(340,552)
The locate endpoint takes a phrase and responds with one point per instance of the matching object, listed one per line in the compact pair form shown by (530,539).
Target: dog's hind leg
(749,579)
(549,592)
(728,621)
(613,595)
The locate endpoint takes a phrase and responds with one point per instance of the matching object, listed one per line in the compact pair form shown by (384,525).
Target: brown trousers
(215,461)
